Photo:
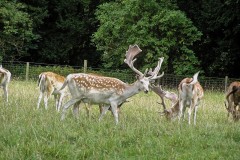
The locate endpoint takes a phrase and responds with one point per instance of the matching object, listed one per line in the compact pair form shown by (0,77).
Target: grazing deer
(190,94)
(49,84)
(108,91)
(164,94)
(171,113)
(174,110)
(5,77)
(233,100)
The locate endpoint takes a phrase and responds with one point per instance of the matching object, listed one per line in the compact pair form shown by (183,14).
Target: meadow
(28,133)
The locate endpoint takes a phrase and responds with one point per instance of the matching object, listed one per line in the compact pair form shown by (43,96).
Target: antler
(130,54)
(135,50)
(161,93)
(156,70)
(164,94)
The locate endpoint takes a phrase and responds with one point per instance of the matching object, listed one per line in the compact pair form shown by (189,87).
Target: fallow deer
(174,110)
(190,94)
(49,84)
(164,94)
(232,102)
(171,113)
(108,91)
(5,77)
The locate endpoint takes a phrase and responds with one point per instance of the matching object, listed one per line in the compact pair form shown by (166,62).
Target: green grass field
(28,133)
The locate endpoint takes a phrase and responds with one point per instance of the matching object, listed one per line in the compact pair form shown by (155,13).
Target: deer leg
(118,111)
(39,99)
(56,98)
(5,89)
(189,115)
(88,107)
(67,105)
(183,112)
(191,108)
(46,97)
(60,99)
(181,105)
(76,109)
(195,114)
(46,101)
(104,111)
(114,111)
(101,108)
(229,109)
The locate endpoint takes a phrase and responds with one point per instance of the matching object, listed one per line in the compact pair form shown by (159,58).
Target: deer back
(94,83)
(190,88)
(50,81)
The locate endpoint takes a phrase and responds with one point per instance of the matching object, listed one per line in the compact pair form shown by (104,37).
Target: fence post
(85,66)
(226,83)
(27,71)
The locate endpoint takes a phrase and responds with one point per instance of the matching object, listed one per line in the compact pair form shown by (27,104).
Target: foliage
(191,35)
(67,32)
(158,27)
(28,133)
(219,48)
(16,27)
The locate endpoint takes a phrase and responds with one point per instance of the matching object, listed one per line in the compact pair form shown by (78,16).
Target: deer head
(134,50)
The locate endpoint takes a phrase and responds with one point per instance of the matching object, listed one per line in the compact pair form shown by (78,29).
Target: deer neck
(131,89)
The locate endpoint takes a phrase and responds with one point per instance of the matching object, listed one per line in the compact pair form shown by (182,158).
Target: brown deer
(233,100)
(190,94)
(5,77)
(107,91)
(49,84)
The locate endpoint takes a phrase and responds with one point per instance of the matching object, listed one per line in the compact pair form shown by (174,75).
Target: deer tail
(195,78)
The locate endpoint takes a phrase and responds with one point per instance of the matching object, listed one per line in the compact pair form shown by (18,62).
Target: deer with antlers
(169,113)
(5,77)
(49,84)
(174,110)
(164,94)
(232,102)
(108,91)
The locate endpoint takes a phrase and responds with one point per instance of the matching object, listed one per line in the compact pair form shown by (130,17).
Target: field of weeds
(28,133)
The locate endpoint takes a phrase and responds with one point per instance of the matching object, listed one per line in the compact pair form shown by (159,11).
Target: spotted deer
(5,77)
(232,102)
(108,91)
(190,94)
(49,84)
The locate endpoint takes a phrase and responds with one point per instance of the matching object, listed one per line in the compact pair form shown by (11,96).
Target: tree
(158,27)
(219,48)
(67,31)
(16,30)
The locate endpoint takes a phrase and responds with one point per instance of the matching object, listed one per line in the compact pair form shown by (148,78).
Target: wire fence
(30,71)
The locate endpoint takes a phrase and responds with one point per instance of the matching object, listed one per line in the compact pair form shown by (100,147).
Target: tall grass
(28,133)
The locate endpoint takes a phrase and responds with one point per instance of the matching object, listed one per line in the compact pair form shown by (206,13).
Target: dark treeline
(191,35)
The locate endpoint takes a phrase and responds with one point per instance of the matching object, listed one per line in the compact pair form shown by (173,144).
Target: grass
(28,133)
